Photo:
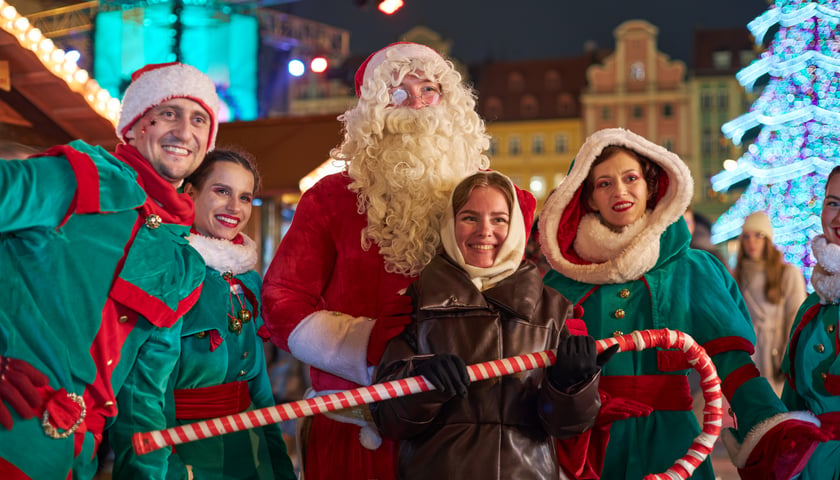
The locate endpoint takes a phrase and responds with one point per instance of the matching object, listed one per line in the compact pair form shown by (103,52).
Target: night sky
(527,29)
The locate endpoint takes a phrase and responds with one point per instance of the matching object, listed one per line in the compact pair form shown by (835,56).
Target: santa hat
(156,83)
(405,49)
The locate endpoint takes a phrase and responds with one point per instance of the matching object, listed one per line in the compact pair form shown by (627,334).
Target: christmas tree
(798,114)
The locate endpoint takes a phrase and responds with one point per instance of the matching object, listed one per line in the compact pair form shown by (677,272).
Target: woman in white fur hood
(614,235)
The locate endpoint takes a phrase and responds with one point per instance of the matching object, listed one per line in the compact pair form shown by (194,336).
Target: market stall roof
(286,148)
(40,108)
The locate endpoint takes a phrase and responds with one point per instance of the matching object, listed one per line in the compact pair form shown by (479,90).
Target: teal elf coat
(647,277)
(212,354)
(814,349)
(91,298)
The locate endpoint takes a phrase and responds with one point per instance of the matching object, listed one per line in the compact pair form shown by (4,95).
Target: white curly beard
(404,182)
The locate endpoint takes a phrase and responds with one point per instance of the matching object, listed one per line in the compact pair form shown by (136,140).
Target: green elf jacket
(92,295)
(647,277)
(222,370)
(812,371)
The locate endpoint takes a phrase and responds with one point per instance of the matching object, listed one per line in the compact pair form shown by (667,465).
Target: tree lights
(798,113)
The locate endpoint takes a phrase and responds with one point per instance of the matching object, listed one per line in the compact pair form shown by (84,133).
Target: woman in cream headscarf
(477,302)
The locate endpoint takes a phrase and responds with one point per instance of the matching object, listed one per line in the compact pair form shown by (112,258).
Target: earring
(143,131)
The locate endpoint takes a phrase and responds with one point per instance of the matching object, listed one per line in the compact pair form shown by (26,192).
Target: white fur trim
(225,256)
(155,86)
(408,50)
(370,438)
(668,210)
(740,453)
(334,342)
(826,275)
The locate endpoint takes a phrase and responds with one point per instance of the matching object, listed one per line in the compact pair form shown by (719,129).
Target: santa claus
(333,293)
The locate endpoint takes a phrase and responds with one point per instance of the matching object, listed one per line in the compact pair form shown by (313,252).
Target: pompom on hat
(156,83)
(407,49)
(758,222)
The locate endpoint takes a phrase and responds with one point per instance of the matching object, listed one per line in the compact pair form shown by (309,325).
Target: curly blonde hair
(404,163)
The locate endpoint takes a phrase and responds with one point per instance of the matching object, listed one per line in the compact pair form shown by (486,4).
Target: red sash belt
(662,392)
(212,402)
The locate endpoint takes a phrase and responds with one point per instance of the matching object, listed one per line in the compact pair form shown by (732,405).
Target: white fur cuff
(739,453)
(335,343)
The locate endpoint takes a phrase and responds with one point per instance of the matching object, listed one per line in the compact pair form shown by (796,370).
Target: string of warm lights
(61,65)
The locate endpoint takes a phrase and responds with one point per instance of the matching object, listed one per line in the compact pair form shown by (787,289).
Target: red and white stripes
(146,442)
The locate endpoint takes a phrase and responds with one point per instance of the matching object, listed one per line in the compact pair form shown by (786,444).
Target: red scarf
(163,199)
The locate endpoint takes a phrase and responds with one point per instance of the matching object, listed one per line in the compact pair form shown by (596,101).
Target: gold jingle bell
(244,316)
(153,221)
(235,325)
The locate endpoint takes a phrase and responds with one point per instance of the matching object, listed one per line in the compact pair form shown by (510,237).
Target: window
(494,146)
(561,143)
(667,110)
(516,82)
(706,141)
(528,107)
(746,57)
(552,81)
(638,112)
(565,105)
(637,71)
(493,108)
(722,60)
(514,145)
(537,144)
(723,100)
(705,100)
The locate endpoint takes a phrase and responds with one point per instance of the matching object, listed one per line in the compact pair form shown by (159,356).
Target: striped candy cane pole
(145,442)
(709,382)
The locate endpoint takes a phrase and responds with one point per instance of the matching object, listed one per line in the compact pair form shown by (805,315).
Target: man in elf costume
(332,295)
(96,274)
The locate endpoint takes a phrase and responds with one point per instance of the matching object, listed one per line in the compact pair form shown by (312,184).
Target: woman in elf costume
(615,237)
(222,369)
(811,368)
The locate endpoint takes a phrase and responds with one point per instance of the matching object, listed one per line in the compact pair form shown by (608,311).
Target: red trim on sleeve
(12,472)
(728,344)
(151,307)
(86,199)
(734,380)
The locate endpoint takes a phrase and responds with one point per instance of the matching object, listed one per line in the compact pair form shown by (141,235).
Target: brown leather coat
(503,428)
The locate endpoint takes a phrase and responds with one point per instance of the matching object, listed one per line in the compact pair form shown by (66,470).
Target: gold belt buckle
(52,431)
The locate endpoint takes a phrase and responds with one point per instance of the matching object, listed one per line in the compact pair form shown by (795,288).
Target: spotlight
(388,7)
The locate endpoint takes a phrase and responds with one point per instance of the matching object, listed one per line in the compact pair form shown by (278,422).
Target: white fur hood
(642,251)
(224,255)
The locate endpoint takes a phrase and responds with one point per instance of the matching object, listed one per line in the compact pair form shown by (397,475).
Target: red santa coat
(321,296)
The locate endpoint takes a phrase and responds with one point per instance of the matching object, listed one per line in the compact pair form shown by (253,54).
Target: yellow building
(535,154)
(532,109)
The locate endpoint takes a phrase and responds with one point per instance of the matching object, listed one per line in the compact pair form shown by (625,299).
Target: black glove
(577,361)
(447,372)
